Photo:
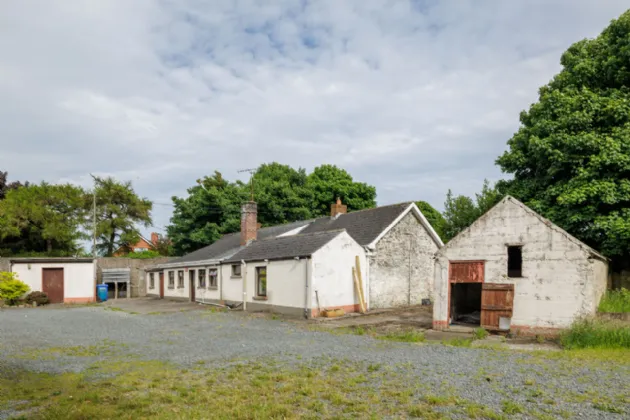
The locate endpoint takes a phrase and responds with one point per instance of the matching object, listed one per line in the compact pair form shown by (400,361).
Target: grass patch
(615,301)
(410,336)
(510,407)
(589,333)
(609,408)
(257,390)
(480,333)
(458,342)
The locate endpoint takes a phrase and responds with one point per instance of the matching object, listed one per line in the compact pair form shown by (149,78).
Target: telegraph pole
(94,218)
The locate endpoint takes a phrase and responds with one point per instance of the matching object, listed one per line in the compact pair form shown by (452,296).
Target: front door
(161,285)
(191,277)
(52,284)
(497,301)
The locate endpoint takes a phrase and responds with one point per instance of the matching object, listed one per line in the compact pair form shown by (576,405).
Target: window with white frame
(236,270)
(261,281)
(151,280)
(171,279)
(212,278)
(180,279)
(201,276)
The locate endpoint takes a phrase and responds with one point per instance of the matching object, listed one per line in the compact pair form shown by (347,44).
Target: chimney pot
(249,224)
(338,208)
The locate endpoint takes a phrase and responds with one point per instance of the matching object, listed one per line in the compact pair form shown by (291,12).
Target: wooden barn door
(161,285)
(52,284)
(497,301)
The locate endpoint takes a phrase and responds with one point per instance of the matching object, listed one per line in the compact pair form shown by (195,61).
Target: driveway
(148,305)
(244,356)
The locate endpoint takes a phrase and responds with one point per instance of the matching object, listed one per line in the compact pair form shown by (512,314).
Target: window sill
(236,277)
(201,287)
(171,287)
(213,288)
(259,297)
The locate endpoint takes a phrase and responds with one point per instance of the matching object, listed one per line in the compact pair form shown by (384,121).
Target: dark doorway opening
(191,277)
(466,303)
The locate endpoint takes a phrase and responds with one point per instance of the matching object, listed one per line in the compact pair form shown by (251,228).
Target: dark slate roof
(284,247)
(364,225)
(231,243)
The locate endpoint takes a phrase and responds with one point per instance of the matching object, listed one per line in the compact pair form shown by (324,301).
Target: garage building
(64,280)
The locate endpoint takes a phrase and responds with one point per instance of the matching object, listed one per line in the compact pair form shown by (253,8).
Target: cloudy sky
(414,97)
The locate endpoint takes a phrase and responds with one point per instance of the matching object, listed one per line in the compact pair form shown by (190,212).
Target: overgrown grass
(589,333)
(480,333)
(259,390)
(409,336)
(615,301)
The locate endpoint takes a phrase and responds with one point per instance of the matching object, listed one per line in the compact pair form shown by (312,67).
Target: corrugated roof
(231,243)
(300,245)
(364,225)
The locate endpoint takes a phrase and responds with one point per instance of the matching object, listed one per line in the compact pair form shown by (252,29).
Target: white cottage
(64,280)
(514,270)
(302,262)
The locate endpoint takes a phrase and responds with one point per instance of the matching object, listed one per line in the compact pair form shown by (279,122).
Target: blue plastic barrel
(101,292)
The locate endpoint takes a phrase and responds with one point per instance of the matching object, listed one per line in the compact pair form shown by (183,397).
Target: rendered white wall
(232,286)
(558,282)
(78,277)
(285,282)
(176,292)
(332,273)
(208,293)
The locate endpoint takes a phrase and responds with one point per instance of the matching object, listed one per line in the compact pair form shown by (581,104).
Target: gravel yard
(101,362)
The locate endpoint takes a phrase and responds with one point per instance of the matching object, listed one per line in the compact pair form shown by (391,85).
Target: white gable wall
(332,274)
(560,282)
(402,262)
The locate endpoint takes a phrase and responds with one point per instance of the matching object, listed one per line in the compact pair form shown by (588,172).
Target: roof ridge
(377,207)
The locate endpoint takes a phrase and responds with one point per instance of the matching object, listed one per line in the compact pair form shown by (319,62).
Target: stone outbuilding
(514,270)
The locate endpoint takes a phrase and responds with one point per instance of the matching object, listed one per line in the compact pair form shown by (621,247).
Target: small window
(515,261)
(151,281)
(261,281)
(180,279)
(212,278)
(201,275)
(171,279)
(236,270)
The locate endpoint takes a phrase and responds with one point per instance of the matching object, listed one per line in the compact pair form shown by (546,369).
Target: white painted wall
(176,292)
(559,281)
(156,290)
(285,282)
(332,273)
(232,286)
(78,277)
(208,293)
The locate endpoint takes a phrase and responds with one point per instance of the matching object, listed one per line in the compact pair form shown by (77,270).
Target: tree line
(53,219)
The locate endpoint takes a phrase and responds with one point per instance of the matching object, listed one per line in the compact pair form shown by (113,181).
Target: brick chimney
(337,209)
(249,225)
(154,238)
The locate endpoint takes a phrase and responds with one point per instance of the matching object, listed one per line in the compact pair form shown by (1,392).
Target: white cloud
(413,97)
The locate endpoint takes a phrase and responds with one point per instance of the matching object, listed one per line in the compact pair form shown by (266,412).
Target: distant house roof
(300,245)
(229,244)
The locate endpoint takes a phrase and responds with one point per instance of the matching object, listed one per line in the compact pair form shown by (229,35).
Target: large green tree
(6,186)
(119,210)
(570,159)
(434,217)
(43,218)
(283,194)
(461,211)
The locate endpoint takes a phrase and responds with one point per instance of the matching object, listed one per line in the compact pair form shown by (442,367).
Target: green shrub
(480,333)
(589,333)
(145,255)
(615,301)
(40,297)
(11,289)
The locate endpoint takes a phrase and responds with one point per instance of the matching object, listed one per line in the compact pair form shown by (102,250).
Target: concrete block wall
(4,264)
(402,262)
(559,281)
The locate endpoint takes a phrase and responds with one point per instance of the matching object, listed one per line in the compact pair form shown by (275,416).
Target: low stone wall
(4,264)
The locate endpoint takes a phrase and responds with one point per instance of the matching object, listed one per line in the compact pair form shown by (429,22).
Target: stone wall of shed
(560,282)
(5,265)
(402,262)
